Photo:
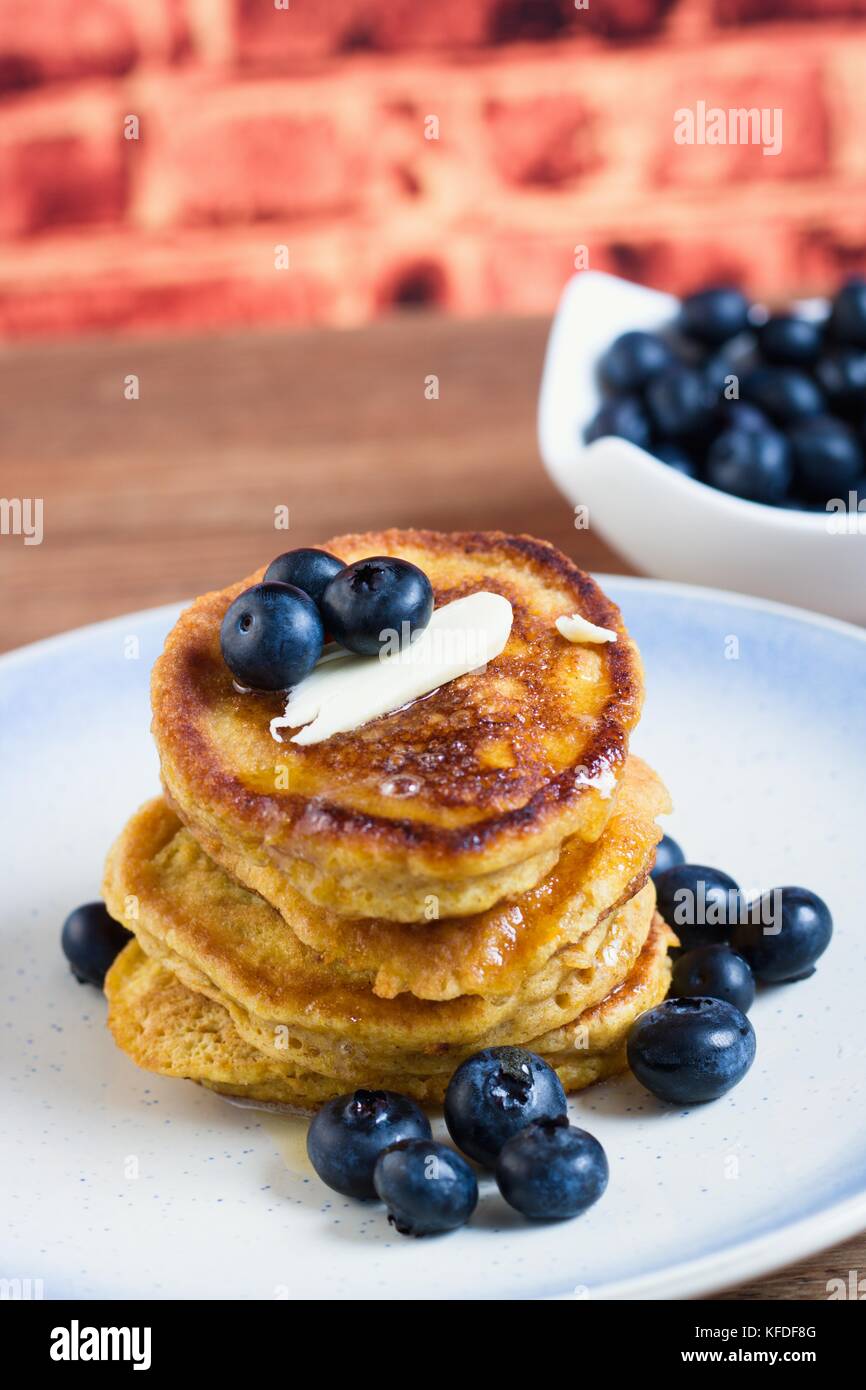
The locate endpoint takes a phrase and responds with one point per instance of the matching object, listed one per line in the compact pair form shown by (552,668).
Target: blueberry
(848,315)
(496,1093)
(740,415)
(632,360)
(691,1050)
(828,458)
(717,972)
(374,603)
(623,417)
(842,377)
(700,903)
(713,316)
(755,464)
(668,853)
(271,636)
(679,403)
(310,570)
(786,931)
(552,1170)
(786,341)
(348,1134)
(718,371)
(91,939)
(427,1187)
(784,393)
(676,458)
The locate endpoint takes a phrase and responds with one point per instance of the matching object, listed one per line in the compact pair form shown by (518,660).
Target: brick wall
(331,160)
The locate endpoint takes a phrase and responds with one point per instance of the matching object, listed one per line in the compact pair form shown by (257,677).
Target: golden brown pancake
(167,1028)
(491,952)
(396,1043)
(230,945)
(504,763)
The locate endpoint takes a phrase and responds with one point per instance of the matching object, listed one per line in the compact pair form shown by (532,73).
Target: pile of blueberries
(504,1107)
(698,1043)
(773,411)
(273,633)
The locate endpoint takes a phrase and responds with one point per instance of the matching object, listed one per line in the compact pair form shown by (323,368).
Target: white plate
(119,1183)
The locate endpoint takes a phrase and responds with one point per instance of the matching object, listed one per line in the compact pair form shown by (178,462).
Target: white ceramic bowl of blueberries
(713,441)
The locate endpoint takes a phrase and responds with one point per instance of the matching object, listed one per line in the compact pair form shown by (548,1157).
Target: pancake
(491,952)
(394,1041)
(503,764)
(167,1028)
(229,944)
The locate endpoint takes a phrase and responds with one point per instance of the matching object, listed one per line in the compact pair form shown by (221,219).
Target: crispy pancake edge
(193,772)
(482,953)
(229,943)
(168,1029)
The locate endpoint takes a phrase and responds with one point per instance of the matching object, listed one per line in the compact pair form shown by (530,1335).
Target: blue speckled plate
(117,1183)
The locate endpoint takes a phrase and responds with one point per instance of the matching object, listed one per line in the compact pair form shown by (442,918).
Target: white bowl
(667,525)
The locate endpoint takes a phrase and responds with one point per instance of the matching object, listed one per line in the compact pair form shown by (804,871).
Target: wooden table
(163,497)
(159,498)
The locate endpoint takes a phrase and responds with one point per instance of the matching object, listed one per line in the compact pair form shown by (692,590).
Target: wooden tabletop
(159,498)
(156,499)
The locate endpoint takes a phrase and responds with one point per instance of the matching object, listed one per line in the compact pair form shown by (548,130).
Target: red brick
(309,29)
(797,91)
(757,11)
(541,147)
(419,282)
(543,140)
(759,258)
(43,40)
(521,20)
(119,282)
(214,159)
(625,19)
(60,180)
(49,40)
(399,24)
(264,36)
(60,310)
(524,272)
(826,255)
(62,160)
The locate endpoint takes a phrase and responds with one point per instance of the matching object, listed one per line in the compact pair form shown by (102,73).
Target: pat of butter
(346,691)
(578,629)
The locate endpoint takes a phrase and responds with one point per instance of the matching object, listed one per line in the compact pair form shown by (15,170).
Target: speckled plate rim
(707,594)
(747,1260)
(59,641)
(724,1267)
(823,1228)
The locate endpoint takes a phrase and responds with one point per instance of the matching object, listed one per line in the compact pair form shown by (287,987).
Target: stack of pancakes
(469,871)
